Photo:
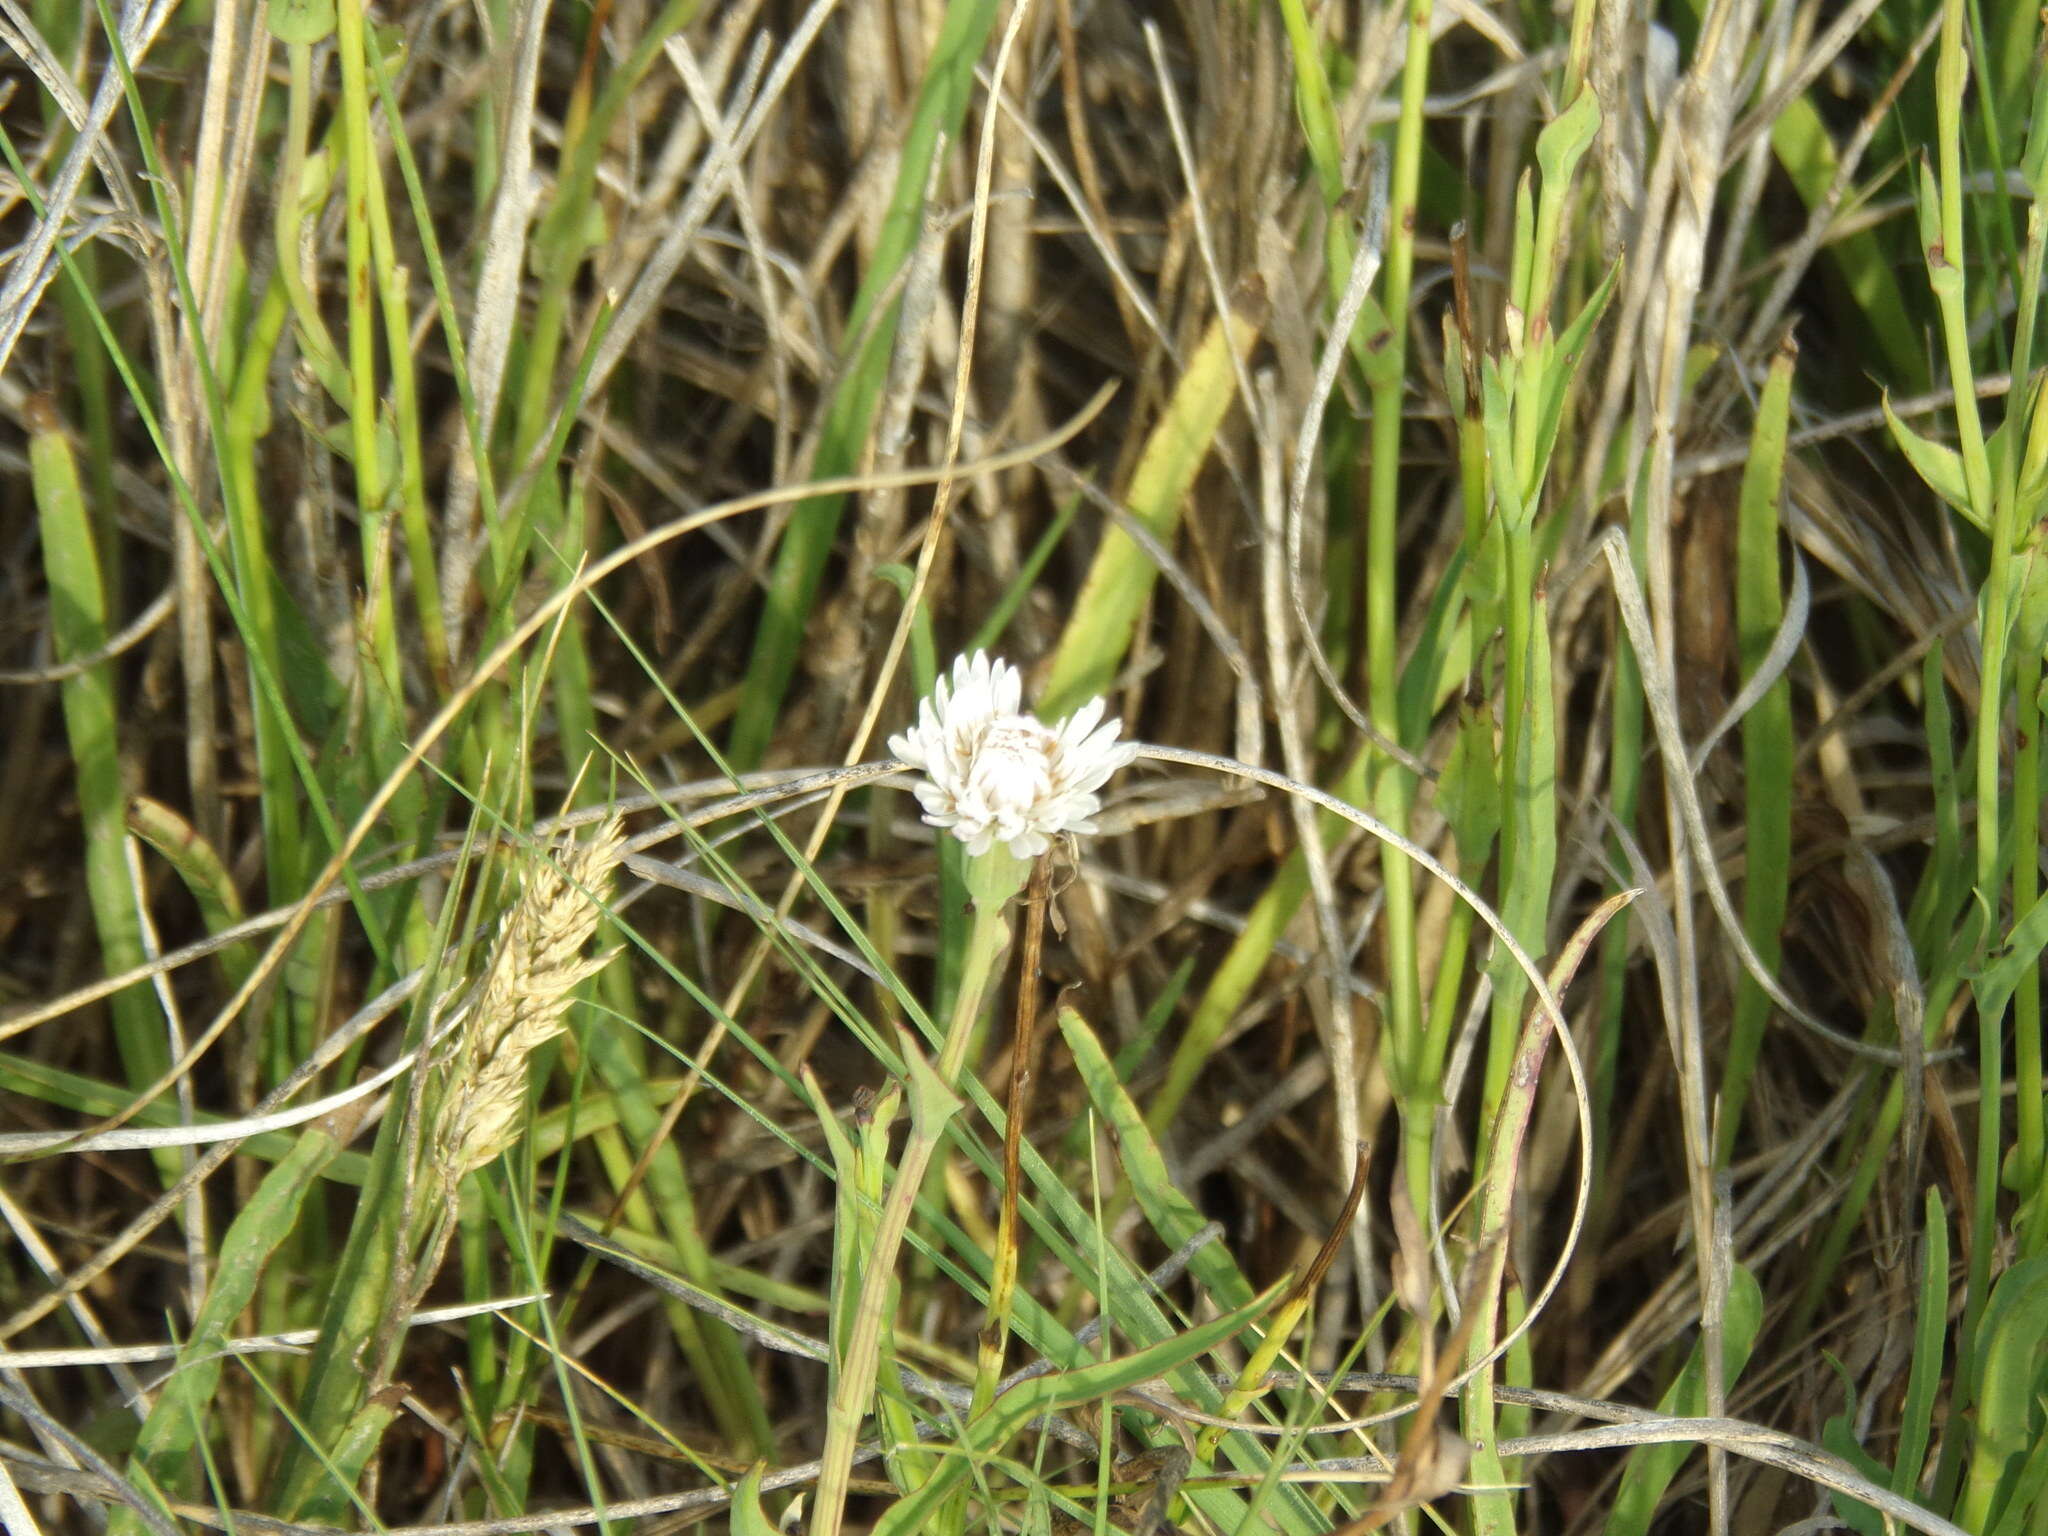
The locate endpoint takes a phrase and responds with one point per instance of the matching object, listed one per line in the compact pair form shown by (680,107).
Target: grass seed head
(534,967)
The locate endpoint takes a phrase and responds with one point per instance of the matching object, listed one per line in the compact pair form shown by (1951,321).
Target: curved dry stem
(133,634)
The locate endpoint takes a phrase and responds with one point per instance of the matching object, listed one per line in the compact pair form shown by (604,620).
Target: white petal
(1077,725)
(1029,844)
(908,747)
(1070,812)
(936,799)
(1006,689)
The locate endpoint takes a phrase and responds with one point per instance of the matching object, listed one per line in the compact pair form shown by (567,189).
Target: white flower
(994,774)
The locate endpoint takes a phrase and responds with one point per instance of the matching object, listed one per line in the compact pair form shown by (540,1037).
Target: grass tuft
(1546,1034)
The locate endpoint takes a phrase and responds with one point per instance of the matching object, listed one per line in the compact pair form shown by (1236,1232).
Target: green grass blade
(1032,1399)
(714,1351)
(1172,1214)
(1806,151)
(354,1308)
(1651,1468)
(2010,1375)
(163,1450)
(1120,580)
(1767,745)
(79,625)
(198,864)
(1233,981)
(1930,1331)
(814,523)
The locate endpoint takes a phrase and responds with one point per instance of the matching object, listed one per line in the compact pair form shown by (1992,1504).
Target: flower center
(1012,767)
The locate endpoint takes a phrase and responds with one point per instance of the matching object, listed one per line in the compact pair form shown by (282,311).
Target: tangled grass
(1548,1034)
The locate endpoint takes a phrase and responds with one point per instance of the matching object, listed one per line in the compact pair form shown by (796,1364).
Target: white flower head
(994,774)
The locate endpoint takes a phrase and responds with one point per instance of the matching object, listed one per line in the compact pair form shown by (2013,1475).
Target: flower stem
(995,1329)
(932,1105)
(985,941)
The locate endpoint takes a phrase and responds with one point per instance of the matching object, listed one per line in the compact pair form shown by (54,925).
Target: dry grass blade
(34,266)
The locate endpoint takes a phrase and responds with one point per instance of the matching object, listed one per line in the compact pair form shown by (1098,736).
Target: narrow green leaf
(1994,985)
(199,865)
(1936,463)
(748,1519)
(1923,1383)
(1015,1409)
(1565,140)
(1497,386)
(2034,156)
(713,1350)
(2022,1506)
(1838,1434)
(1235,975)
(1314,101)
(1562,370)
(1767,744)
(1172,1214)
(1805,147)
(79,626)
(1469,792)
(1530,797)
(164,1447)
(2011,1372)
(353,1310)
(1651,1467)
(846,1223)
(1932,918)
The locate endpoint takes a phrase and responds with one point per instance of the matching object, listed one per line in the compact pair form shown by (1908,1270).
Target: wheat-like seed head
(535,965)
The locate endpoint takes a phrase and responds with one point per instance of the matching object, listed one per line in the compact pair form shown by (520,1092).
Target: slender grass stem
(361,186)
(1945,262)
(1394,788)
